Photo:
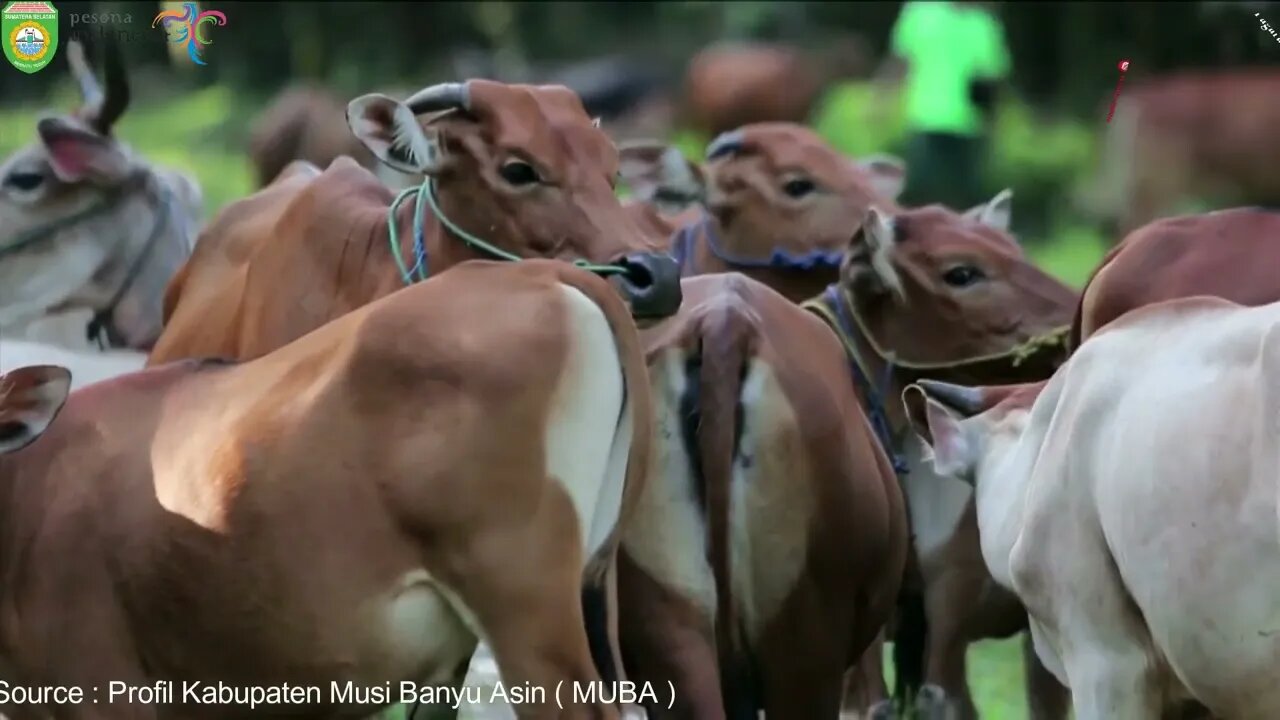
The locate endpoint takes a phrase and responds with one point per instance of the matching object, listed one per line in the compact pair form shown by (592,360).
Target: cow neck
(685,242)
(425,196)
(835,309)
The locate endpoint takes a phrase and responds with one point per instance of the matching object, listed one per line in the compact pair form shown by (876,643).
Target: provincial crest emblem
(30,31)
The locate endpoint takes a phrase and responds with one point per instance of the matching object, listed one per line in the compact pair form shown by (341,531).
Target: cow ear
(996,212)
(879,236)
(940,429)
(30,398)
(659,173)
(78,154)
(888,174)
(392,133)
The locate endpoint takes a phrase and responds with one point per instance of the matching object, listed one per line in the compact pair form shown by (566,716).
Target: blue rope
(682,252)
(875,403)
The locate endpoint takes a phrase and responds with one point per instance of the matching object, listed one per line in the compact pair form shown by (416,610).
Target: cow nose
(650,284)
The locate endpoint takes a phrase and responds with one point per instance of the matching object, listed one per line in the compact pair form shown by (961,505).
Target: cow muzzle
(650,284)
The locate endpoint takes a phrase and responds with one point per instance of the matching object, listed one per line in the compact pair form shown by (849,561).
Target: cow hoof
(931,704)
(882,710)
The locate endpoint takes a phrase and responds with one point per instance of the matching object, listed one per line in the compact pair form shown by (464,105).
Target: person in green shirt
(953,55)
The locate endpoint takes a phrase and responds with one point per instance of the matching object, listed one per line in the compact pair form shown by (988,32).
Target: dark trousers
(945,168)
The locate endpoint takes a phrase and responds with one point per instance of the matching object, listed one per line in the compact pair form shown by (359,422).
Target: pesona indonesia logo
(187,26)
(30,32)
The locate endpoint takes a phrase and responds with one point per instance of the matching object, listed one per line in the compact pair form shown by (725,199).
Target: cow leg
(949,599)
(666,642)
(865,693)
(1047,698)
(802,656)
(522,587)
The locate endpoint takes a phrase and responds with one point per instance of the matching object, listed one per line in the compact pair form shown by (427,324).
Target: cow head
(935,286)
(523,168)
(85,224)
(30,398)
(769,185)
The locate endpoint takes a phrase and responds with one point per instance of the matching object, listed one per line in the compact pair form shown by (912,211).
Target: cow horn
(444,96)
(90,91)
(968,400)
(727,142)
(117,96)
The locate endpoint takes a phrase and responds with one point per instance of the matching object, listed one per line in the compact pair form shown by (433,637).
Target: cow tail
(725,346)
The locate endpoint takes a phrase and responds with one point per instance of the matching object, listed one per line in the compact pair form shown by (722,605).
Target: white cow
(1133,507)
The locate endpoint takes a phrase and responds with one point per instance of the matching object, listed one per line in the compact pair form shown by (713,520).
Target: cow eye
(25,181)
(519,173)
(798,187)
(962,276)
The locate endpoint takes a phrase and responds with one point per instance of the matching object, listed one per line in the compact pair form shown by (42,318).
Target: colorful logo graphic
(185,26)
(30,31)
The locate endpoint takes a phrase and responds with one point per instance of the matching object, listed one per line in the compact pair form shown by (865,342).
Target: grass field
(202,132)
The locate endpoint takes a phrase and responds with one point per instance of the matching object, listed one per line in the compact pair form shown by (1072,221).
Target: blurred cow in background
(1192,135)
(308,122)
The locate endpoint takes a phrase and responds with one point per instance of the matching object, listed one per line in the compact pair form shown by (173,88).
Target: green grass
(198,132)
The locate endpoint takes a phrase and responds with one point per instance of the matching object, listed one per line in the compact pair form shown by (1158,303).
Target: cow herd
(719,441)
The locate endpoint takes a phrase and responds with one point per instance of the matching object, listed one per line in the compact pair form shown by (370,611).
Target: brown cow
(522,167)
(780,203)
(90,231)
(1206,135)
(770,539)
(944,243)
(351,510)
(1227,254)
(310,124)
(730,85)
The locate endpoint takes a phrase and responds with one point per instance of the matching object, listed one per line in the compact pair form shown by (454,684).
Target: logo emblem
(30,31)
(186,26)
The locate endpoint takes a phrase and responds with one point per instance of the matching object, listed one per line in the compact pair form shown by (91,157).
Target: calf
(350,511)
(779,202)
(515,171)
(768,545)
(1121,502)
(88,225)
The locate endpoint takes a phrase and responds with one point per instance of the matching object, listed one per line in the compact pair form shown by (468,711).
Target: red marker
(1124,65)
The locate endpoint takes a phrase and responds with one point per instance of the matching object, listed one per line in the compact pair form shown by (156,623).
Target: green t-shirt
(947,46)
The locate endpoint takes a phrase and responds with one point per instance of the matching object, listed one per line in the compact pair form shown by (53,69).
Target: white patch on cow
(86,367)
(667,536)
(937,503)
(771,508)
(589,432)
